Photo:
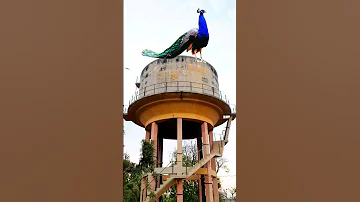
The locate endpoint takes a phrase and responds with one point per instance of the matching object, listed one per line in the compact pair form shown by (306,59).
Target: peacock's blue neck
(203,30)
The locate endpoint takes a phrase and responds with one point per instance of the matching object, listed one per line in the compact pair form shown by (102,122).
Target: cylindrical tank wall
(182,73)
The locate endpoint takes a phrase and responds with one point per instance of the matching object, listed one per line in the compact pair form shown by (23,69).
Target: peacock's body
(194,40)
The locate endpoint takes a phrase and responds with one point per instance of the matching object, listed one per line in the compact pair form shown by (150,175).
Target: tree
(221,164)
(232,192)
(223,194)
(146,162)
(131,173)
(134,173)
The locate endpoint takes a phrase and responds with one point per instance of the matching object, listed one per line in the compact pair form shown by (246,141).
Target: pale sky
(155,25)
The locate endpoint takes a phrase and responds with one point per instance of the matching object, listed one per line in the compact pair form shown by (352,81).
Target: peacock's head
(200,11)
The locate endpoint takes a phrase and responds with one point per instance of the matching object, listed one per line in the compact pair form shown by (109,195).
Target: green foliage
(191,191)
(131,180)
(131,191)
(147,156)
(134,173)
(152,195)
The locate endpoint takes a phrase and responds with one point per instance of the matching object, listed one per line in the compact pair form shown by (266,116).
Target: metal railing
(178,86)
(125,109)
(233,109)
(155,179)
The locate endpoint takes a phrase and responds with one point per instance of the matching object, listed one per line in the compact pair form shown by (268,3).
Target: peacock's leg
(201,57)
(196,59)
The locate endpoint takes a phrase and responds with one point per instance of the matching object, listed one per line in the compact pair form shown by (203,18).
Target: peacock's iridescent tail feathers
(149,53)
(176,48)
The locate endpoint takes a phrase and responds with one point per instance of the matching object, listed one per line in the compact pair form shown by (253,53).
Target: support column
(143,190)
(179,185)
(213,167)
(147,136)
(154,134)
(179,143)
(199,144)
(179,191)
(206,150)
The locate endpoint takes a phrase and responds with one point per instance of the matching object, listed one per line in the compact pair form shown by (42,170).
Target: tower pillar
(154,136)
(179,143)
(179,184)
(179,191)
(147,136)
(143,189)
(206,151)
(200,180)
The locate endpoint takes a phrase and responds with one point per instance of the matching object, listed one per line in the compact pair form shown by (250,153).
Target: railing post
(165,86)
(213,91)
(202,86)
(190,86)
(177,85)
(144,90)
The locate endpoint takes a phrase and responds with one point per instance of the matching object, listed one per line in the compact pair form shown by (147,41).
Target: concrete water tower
(180,99)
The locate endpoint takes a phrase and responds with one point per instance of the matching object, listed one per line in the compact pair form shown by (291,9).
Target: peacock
(195,40)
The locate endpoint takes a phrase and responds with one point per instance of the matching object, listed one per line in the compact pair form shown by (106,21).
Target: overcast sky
(155,25)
